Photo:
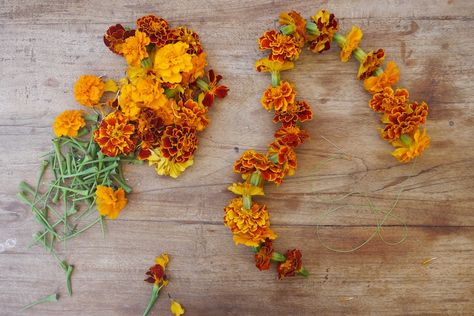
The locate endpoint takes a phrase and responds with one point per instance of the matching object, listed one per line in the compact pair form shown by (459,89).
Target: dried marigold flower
(299,111)
(188,36)
(213,89)
(264,255)
(353,39)
(192,114)
(171,60)
(387,99)
(291,136)
(149,129)
(327,25)
(294,23)
(155,28)
(410,146)
(279,97)
(389,77)
(285,156)
(283,47)
(116,135)
(179,143)
(404,120)
(68,123)
(109,202)
(292,265)
(371,62)
(250,227)
(116,36)
(88,90)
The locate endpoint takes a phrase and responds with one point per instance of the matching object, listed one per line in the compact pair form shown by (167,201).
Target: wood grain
(46,45)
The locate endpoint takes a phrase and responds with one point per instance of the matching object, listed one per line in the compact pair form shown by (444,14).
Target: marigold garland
(249,221)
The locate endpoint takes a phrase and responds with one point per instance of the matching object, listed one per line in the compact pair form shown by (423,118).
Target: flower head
(285,156)
(115,135)
(404,120)
(88,90)
(109,202)
(291,136)
(267,65)
(295,24)
(188,36)
(171,60)
(166,167)
(371,62)
(292,265)
(178,143)
(68,123)
(250,227)
(245,188)
(251,162)
(116,36)
(279,98)
(213,89)
(327,25)
(410,146)
(199,63)
(389,77)
(155,28)
(283,47)
(156,274)
(192,114)
(264,255)
(353,39)
(150,129)
(295,112)
(134,48)
(387,99)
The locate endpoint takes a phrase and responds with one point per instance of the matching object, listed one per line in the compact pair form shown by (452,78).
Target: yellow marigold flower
(166,167)
(134,48)
(176,308)
(245,188)
(68,123)
(199,63)
(371,62)
(353,39)
(389,77)
(409,147)
(109,202)
(250,227)
(171,60)
(267,65)
(88,90)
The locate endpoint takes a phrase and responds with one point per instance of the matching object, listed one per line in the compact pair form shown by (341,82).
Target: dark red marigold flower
(116,36)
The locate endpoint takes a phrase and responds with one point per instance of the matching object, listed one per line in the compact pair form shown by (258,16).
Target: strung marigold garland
(250,221)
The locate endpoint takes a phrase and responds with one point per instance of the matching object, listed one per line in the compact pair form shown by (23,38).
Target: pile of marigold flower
(250,221)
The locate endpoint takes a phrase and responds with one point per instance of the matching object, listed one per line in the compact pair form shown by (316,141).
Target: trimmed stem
(154,296)
(275,79)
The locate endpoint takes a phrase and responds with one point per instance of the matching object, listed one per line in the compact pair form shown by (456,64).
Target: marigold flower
(192,114)
(298,111)
(88,90)
(353,39)
(245,188)
(250,227)
(176,308)
(171,60)
(295,24)
(292,265)
(410,146)
(115,37)
(291,136)
(327,25)
(285,156)
(264,255)
(188,36)
(371,62)
(251,161)
(279,97)
(267,65)
(156,274)
(389,77)
(179,143)
(404,120)
(199,63)
(68,123)
(214,89)
(150,129)
(387,99)
(134,48)
(283,47)
(115,135)
(155,28)
(109,202)
(166,167)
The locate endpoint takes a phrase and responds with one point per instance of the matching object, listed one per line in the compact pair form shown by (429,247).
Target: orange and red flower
(214,89)
(179,143)
(404,120)
(292,265)
(285,156)
(155,28)
(264,255)
(291,136)
(387,99)
(116,36)
(150,129)
(251,161)
(192,114)
(388,78)
(298,111)
(371,62)
(327,25)
(279,98)
(116,135)
(188,36)
(296,24)
(283,47)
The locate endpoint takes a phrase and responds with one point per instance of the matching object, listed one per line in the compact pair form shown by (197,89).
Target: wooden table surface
(46,45)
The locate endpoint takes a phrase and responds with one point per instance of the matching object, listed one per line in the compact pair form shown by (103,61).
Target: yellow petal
(110,86)
(176,308)
(162,260)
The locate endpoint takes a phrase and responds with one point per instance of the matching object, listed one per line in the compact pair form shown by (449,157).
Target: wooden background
(46,45)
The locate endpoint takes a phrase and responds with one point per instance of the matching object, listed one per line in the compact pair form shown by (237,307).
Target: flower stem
(303,272)
(359,54)
(49,298)
(278,257)
(202,85)
(154,296)
(340,39)
(275,78)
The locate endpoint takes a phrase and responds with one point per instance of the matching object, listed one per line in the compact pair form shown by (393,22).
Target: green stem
(339,39)
(154,296)
(303,272)
(275,79)
(359,54)
(278,257)
(49,298)
(202,85)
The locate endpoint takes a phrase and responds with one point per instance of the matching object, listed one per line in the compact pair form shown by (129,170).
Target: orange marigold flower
(292,265)
(192,114)
(291,136)
(294,23)
(188,36)
(410,146)
(179,143)
(150,129)
(389,77)
(199,63)
(134,48)
(404,120)
(250,227)
(387,99)
(88,90)
(156,274)
(68,123)
(214,89)
(115,135)
(171,61)
(116,36)
(251,161)
(283,47)
(283,155)
(264,255)
(327,26)
(155,28)
(279,97)
(353,39)
(299,111)
(109,202)
(371,62)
